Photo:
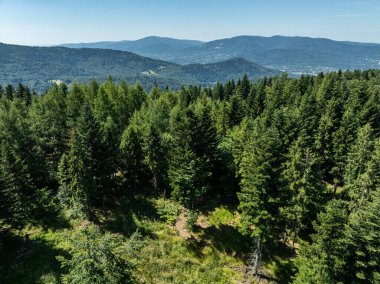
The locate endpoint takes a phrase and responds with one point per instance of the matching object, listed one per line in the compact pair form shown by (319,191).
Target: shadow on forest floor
(223,237)
(228,239)
(28,261)
(129,216)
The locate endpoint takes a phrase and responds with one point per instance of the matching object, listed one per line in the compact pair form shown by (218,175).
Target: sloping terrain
(291,54)
(152,46)
(39,66)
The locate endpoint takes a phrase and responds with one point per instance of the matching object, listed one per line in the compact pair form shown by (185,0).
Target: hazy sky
(44,22)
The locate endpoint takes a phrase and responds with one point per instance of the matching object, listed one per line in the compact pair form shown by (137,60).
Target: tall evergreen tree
(260,194)
(357,162)
(362,240)
(236,111)
(157,159)
(16,188)
(305,191)
(22,168)
(244,88)
(48,116)
(184,165)
(324,260)
(84,175)
(132,158)
(97,258)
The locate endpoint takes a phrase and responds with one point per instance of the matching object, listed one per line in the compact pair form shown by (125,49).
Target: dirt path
(181,226)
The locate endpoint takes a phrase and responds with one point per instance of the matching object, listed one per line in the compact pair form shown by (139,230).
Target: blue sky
(45,22)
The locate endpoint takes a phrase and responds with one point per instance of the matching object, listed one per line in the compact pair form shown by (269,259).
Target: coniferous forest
(276,179)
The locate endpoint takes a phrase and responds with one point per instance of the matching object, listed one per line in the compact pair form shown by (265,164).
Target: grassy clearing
(213,254)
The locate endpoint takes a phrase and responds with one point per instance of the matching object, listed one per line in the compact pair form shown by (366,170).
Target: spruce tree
(244,88)
(260,193)
(358,158)
(236,110)
(48,116)
(184,165)
(323,262)
(362,240)
(84,175)
(132,163)
(97,258)
(305,194)
(16,188)
(22,167)
(156,158)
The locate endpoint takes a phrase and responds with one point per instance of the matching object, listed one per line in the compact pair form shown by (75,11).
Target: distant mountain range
(38,67)
(294,55)
(155,47)
(174,62)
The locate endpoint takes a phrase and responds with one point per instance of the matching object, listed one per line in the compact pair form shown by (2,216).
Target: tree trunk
(256,257)
(155,183)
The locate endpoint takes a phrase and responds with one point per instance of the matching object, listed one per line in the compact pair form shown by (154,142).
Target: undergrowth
(214,254)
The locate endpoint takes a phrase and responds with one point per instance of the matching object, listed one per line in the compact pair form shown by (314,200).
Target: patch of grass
(171,259)
(212,255)
(222,216)
(38,265)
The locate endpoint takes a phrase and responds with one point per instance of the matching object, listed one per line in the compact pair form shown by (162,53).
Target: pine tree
(323,262)
(22,167)
(155,92)
(236,111)
(156,158)
(137,97)
(362,240)
(222,123)
(132,158)
(260,188)
(342,140)
(23,93)
(122,106)
(358,158)
(256,98)
(328,124)
(305,191)
(84,175)
(75,101)
(48,116)
(184,165)
(244,88)
(229,89)
(9,92)
(97,258)
(182,176)
(218,92)
(16,188)
(206,146)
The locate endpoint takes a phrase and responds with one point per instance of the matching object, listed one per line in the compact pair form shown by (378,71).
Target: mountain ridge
(37,67)
(294,55)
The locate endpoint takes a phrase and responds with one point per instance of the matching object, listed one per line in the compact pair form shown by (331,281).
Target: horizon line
(190,39)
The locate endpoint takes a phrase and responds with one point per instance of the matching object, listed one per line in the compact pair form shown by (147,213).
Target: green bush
(167,210)
(98,258)
(221,216)
(191,220)
(283,270)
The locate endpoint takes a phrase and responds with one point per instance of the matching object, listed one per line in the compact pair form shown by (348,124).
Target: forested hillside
(152,46)
(40,67)
(295,55)
(276,179)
